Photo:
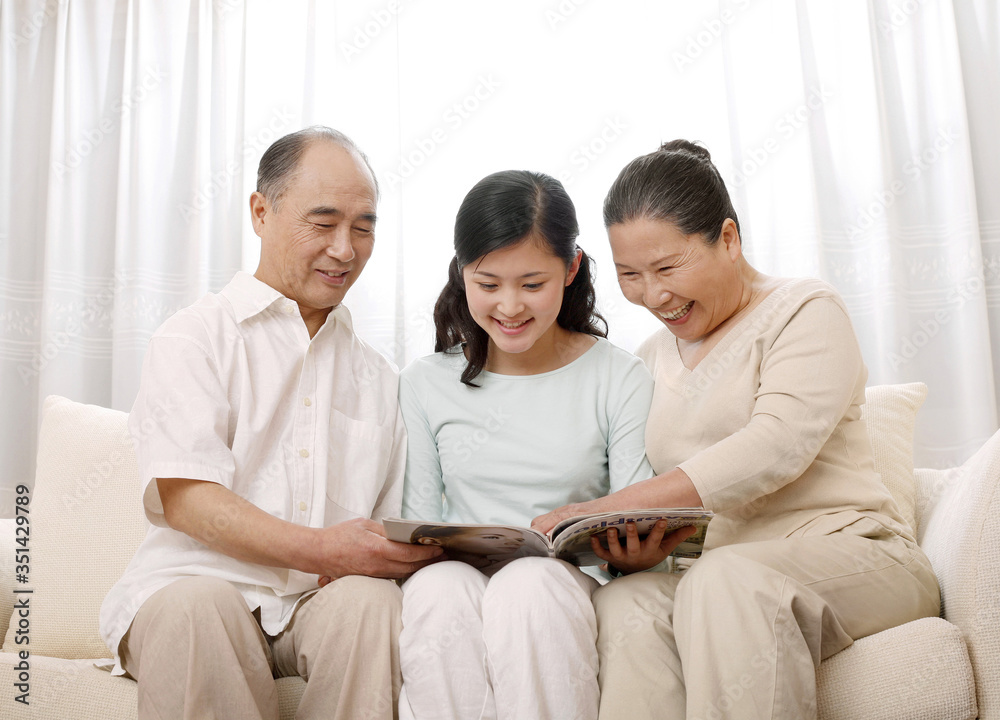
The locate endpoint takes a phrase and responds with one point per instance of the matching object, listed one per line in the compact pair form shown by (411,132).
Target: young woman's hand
(636,554)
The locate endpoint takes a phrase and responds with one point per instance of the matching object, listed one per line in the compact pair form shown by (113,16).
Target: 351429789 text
(21,618)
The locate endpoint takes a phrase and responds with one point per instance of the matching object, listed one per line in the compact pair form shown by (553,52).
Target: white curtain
(857,138)
(864,152)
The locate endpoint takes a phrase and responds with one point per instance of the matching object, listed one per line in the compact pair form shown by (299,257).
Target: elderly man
(269,441)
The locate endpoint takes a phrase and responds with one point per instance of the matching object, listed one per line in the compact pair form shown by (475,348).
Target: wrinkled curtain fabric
(857,140)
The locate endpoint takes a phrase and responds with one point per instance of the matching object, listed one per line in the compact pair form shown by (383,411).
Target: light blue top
(519,446)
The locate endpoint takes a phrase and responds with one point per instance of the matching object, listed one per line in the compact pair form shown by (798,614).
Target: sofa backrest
(86,523)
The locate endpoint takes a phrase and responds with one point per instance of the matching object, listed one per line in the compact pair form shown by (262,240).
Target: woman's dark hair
(501,210)
(678,184)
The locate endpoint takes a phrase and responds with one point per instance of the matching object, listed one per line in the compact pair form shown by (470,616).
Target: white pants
(520,644)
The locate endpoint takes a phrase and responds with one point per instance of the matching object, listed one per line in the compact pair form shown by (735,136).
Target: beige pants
(740,633)
(198,652)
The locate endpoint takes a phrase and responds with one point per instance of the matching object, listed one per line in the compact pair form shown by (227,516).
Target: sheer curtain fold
(870,182)
(113,232)
(857,138)
(27,82)
(941,329)
(178,232)
(977,24)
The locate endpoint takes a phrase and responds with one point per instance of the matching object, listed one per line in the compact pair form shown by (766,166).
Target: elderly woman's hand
(544,523)
(671,489)
(636,555)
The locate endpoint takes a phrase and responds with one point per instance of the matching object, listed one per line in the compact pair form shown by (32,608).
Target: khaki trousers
(197,651)
(740,634)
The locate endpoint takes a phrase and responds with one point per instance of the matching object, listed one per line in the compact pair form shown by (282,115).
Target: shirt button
(307,402)
(304,453)
(289,309)
(302,506)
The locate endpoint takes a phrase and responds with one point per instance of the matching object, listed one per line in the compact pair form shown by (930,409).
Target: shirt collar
(249,297)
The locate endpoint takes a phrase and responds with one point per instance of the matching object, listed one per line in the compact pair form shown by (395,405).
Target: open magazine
(482,545)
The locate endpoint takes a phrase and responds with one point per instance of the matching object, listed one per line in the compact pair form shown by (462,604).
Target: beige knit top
(767,425)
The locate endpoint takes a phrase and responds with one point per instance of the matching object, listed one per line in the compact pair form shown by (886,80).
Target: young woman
(524,407)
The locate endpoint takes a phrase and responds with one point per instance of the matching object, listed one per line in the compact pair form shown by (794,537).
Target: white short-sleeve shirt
(234,391)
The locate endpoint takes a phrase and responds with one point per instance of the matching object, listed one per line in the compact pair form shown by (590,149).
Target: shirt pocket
(357,462)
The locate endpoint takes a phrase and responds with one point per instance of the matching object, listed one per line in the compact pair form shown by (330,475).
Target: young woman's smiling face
(515,295)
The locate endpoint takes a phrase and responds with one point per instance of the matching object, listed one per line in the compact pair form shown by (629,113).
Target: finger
(324,581)
(632,543)
(396,569)
(545,523)
(542,523)
(391,569)
(412,567)
(599,550)
(671,541)
(615,549)
(656,534)
(407,552)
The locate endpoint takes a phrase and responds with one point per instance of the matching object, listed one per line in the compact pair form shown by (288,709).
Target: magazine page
(571,537)
(478,545)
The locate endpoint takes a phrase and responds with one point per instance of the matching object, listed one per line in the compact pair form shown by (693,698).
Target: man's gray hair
(279,162)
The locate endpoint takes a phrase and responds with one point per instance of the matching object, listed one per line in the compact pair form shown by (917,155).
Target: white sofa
(86,520)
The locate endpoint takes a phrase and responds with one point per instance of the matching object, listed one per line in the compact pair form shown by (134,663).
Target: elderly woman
(755,416)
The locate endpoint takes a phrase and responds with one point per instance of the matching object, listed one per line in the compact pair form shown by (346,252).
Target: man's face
(316,243)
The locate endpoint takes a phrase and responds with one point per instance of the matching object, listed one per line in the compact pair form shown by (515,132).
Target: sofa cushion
(922,666)
(960,525)
(63,689)
(890,412)
(86,522)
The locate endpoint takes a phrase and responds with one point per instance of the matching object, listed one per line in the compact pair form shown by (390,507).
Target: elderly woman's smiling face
(688,285)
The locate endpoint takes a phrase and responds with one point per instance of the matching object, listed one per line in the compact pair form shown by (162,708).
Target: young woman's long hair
(501,210)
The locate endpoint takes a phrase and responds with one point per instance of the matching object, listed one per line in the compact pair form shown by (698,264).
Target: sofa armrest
(960,532)
(6,572)
(922,666)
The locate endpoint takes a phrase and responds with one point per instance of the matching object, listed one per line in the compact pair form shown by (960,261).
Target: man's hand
(218,518)
(638,555)
(359,547)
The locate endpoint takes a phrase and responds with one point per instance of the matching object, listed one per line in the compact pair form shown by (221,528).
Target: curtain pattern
(857,140)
